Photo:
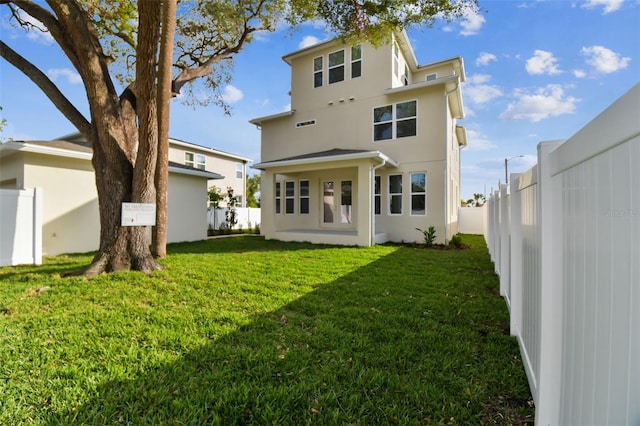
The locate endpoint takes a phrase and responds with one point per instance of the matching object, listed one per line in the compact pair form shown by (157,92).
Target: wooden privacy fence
(20,226)
(565,240)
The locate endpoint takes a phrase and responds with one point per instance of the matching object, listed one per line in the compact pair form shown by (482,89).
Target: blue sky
(536,70)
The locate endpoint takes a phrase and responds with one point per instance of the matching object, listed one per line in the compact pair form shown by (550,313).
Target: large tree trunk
(165,63)
(123,159)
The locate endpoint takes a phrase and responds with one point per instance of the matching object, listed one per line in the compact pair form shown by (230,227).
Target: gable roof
(335,154)
(82,150)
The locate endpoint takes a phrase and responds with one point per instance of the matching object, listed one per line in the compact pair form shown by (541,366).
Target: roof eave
(383,159)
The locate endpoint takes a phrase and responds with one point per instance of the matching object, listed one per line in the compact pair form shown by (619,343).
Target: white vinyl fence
(565,239)
(20,226)
(248,217)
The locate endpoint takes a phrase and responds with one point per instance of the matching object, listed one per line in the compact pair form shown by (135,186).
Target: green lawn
(246,331)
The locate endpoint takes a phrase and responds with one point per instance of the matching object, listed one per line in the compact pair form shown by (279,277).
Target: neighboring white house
(232,168)
(370,149)
(70,202)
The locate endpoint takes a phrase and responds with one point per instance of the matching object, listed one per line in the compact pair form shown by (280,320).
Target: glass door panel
(328,201)
(346,206)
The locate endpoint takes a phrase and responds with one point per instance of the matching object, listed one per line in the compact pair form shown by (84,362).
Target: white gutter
(446,163)
(39,149)
(312,160)
(373,199)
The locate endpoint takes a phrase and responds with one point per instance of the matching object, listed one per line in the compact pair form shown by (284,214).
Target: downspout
(373,200)
(446,162)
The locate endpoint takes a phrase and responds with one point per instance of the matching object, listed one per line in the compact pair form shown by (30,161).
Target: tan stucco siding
(12,172)
(186,208)
(70,216)
(216,163)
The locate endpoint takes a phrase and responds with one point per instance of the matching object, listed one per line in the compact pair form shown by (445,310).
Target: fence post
(37,226)
(505,250)
(551,288)
(516,256)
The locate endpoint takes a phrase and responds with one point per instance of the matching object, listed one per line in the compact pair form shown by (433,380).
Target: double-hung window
(317,71)
(377,202)
(239,170)
(189,159)
(418,194)
(289,197)
(201,161)
(395,121)
(356,61)
(304,197)
(278,197)
(395,194)
(336,66)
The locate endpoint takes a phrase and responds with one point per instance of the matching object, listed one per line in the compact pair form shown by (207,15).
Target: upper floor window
(396,58)
(239,170)
(317,71)
(356,61)
(189,159)
(395,121)
(336,67)
(201,161)
(431,77)
(405,76)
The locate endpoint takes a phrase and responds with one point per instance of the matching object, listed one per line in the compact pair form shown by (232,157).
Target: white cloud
(71,76)
(542,62)
(549,101)
(485,58)
(477,92)
(609,5)
(308,41)
(472,22)
(232,94)
(603,60)
(38,31)
(477,141)
(579,73)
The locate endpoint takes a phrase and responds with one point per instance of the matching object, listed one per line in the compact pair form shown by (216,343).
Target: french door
(337,203)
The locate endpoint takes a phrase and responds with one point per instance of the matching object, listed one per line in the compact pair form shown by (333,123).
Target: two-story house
(370,149)
(232,167)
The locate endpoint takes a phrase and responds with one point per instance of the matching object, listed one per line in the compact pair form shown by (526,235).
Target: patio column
(364,212)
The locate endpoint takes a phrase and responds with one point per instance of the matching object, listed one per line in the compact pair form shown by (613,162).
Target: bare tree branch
(47,86)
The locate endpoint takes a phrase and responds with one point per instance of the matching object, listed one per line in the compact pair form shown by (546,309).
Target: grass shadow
(391,342)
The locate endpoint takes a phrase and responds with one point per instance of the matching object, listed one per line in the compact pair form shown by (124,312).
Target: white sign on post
(138,214)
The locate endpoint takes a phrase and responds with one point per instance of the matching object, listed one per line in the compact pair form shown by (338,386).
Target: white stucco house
(370,149)
(62,168)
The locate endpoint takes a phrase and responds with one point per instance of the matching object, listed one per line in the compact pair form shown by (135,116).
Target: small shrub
(429,235)
(456,241)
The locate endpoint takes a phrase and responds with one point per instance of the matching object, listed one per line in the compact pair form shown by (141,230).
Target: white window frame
(239,170)
(304,197)
(358,60)
(418,193)
(278,198)
(319,71)
(391,195)
(191,162)
(330,67)
(201,161)
(377,195)
(290,197)
(394,121)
